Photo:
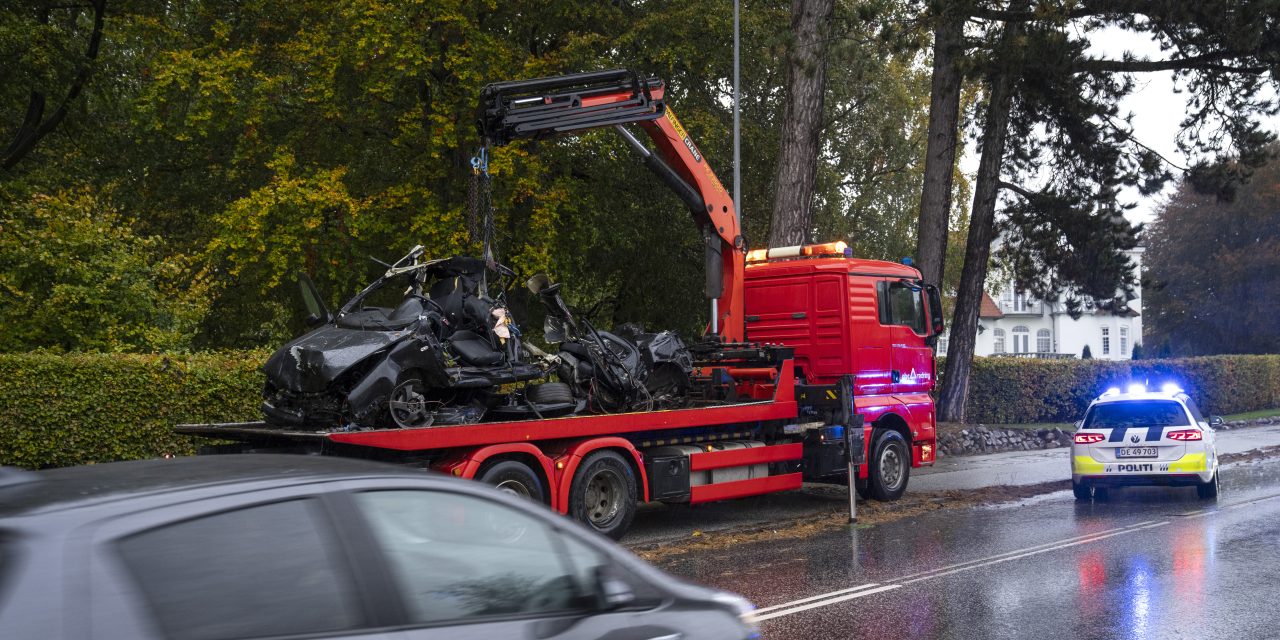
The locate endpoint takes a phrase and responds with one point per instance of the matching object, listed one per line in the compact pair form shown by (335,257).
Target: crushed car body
(444,352)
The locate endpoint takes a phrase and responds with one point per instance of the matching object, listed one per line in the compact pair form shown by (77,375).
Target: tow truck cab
(873,319)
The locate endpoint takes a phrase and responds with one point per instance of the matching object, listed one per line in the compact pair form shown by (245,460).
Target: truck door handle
(895,375)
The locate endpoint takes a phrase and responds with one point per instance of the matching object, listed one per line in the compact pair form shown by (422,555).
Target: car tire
(603,494)
(889,467)
(1208,490)
(1081,491)
(549,393)
(1101,494)
(514,477)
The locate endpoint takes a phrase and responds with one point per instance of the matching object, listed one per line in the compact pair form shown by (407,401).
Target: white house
(1013,323)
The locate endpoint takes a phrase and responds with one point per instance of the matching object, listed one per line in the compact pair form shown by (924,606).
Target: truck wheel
(514,477)
(1208,490)
(890,466)
(603,494)
(863,487)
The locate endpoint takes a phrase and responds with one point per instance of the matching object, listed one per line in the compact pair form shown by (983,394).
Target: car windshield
(1138,413)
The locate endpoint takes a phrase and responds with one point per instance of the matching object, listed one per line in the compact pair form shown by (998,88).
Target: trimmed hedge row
(58,410)
(1005,390)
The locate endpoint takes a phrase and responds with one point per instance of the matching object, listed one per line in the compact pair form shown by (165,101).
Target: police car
(1143,437)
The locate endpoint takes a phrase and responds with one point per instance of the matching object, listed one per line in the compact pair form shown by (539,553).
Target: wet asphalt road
(1151,563)
(658,523)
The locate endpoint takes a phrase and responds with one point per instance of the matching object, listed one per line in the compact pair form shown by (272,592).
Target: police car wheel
(1208,490)
(1081,491)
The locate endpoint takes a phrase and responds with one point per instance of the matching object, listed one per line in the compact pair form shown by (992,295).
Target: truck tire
(603,494)
(514,477)
(549,393)
(889,466)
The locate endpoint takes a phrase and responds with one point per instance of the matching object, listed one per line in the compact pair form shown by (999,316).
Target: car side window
(260,571)
(901,305)
(456,557)
(1195,411)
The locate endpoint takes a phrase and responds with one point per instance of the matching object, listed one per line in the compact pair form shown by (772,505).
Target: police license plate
(1137,452)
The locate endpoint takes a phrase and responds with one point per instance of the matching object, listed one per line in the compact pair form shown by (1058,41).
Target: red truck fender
(566,464)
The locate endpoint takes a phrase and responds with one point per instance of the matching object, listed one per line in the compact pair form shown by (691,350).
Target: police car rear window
(1137,413)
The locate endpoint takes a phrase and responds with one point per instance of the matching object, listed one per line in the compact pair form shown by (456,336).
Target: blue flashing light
(1137,387)
(908,261)
(1113,391)
(848,252)
(1171,388)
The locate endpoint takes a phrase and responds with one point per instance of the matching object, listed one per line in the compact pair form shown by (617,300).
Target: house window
(1106,340)
(1042,341)
(1006,298)
(1020,304)
(997,340)
(944,341)
(1021,339)
(1124,340)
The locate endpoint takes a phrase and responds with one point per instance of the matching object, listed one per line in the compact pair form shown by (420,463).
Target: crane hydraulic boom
(545,107)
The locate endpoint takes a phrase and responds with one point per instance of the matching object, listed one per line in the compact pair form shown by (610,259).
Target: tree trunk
(982,228)
(801,123)
(940,157)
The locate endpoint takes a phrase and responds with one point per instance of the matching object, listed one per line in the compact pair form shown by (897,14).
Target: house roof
(989,308)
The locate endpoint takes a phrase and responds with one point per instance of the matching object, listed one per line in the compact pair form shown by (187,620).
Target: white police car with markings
(1143,437)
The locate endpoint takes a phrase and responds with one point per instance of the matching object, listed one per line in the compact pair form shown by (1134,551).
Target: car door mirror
(1217,422)
(612,592)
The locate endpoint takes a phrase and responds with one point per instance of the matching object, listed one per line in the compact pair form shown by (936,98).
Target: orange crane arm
(546,107)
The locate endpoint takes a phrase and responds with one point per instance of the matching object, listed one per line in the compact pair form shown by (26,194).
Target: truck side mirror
(936,322)
(317,312)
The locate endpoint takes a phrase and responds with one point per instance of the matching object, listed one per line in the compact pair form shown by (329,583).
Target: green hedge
(58,410)
(1004,390)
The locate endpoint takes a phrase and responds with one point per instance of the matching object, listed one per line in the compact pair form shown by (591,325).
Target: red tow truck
(807,343)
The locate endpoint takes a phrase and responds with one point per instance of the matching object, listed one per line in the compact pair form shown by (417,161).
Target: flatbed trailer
(772,437)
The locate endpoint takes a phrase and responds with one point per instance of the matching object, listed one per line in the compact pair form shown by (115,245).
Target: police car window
(1144,413)
(1195,411)
(261,571)
(456,557)
(901,305)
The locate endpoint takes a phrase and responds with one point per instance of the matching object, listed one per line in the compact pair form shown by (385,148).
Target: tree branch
(27,137)
(1206,61)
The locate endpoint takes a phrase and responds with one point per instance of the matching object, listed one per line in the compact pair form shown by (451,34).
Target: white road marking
(843,595)
(1037,552)
(823,603)
(812,598)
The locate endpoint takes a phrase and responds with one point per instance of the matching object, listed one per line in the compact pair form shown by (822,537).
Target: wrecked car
(446,349)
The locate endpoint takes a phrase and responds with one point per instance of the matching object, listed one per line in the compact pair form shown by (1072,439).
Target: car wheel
(1081,491)
(515,478)
(1208,490)
(890,466)
(603,494)
(408,405)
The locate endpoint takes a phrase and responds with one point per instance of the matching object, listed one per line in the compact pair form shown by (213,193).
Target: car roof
(1179,397)
(71,487)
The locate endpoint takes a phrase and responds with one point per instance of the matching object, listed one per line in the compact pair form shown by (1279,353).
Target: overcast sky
(1157,111)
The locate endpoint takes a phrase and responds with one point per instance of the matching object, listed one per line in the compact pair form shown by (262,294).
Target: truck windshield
(1137,413)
